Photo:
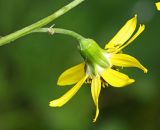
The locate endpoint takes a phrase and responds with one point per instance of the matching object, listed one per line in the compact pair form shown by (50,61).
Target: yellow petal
(115,78)
(68,95)
(95,90)
(72,75)
(124,34)
(126,61)
(158,5)
(140,30)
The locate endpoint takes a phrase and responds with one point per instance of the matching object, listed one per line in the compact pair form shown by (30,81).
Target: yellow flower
(158,5)
(99,66)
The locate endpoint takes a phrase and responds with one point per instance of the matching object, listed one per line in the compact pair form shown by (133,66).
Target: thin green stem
(60,31)
(27,30)
(68,32)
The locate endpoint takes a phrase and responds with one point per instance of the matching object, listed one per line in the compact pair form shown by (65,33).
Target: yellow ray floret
(158,5)
(124,34)
(125,60)
(116,79)
(68,95)
(140,30)
(95,90)
(72,75)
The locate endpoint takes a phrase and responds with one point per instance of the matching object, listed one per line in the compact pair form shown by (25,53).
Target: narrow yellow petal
(72,75)
(68,95)
(124,60)
(115,78)
(140,30)
(124,34)
(158,5)
(95,90)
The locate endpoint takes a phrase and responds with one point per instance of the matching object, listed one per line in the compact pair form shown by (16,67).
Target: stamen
(88,80)
(103,83)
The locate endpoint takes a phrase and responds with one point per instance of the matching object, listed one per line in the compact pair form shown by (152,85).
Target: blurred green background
(30,66)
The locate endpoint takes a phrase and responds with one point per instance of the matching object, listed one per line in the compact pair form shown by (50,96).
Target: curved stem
(60,31)
(68,32)
(13,36)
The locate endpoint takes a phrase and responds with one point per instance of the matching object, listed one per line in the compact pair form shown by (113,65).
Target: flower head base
(158,6)
(98,68)
(93,55)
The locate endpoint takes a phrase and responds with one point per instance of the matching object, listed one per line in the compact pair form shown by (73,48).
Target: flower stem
(60,31)
(68,32)
(27,30)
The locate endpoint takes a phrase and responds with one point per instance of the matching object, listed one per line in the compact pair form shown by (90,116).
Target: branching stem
(27,30)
